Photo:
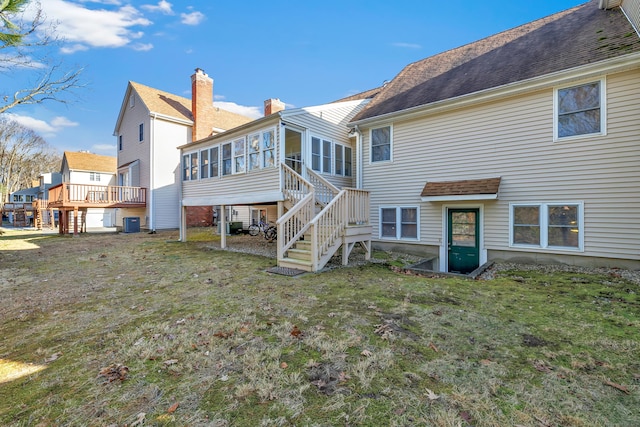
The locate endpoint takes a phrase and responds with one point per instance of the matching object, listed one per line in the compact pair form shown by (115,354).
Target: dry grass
(133,329)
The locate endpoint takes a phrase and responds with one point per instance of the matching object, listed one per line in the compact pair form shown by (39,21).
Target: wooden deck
(81,196)
(77,198)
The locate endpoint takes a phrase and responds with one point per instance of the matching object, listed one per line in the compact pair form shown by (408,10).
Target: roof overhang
(617,64)
(461,190)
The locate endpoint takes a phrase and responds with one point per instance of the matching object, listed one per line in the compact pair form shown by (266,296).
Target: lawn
(138,329)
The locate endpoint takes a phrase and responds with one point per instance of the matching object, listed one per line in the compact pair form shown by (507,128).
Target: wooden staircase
(320,220)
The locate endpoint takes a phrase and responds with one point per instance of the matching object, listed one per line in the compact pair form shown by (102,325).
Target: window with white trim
(547,225)
(186,167)
(213,169)
(194,166)
(204,164)
(321,154)
(268,148)
(381,144)
(238,156)
(342,160)
(254,151)
(580,110)
(399,222)
(94,176)
(226,159)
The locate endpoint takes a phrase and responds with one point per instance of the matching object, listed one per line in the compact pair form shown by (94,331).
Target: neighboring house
(294,167)
(95,170)
(22,200)
(150,126)
(521,146)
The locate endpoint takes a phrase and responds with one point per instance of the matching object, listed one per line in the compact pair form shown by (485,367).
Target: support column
(222,217)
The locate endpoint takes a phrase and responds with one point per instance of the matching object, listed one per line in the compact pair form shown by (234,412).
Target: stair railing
(294,186)
(325,191)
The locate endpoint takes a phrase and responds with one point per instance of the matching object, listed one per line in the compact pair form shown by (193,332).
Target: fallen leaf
(222,334)
(431,395)
(433,347)
(53,357)
(170,362)
(296,332)
(284,365)
(173,408)
(366,353)
(622,388)
(485,362)
(114,372)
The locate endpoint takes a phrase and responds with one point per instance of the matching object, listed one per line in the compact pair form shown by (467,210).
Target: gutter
(152,199)
(617,64)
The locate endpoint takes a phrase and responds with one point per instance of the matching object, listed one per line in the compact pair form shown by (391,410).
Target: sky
(304,53)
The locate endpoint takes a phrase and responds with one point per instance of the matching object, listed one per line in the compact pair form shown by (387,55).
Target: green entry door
(464,240)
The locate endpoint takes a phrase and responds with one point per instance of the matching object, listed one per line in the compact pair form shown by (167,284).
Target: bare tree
(27,45)
(24,156)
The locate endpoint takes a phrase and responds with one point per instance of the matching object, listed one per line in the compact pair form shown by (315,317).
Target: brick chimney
(273,105)
(201,105)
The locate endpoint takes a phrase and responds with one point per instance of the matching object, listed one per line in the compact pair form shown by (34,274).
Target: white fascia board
(323,107)
(239,199)
(459,198)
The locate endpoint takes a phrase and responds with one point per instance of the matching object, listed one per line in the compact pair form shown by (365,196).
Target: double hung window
(580,110)
(381,144)
(399,223)
(547,225)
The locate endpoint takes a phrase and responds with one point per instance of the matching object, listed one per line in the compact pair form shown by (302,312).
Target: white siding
(330,124)
(514,139)
(165,199)
(632,10)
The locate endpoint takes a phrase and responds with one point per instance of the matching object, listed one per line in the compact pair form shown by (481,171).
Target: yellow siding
(513,139)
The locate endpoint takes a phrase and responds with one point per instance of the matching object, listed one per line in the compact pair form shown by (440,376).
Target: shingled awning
(467,189)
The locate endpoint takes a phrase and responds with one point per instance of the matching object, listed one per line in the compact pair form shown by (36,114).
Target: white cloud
(407,45)
(83,28)
(142,47)
(193,18)
(42,127)
(253,112)
(163,7)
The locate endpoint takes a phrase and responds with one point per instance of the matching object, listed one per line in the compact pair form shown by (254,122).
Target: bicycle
(270,231)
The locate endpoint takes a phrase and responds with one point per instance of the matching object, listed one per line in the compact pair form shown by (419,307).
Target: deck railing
(88,194)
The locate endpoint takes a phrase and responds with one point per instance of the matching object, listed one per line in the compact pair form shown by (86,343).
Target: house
(86,193)
(295,168)
(19,209)
(522,146)
(151,125)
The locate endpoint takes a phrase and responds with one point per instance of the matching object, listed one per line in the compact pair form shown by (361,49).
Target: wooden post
(75,222)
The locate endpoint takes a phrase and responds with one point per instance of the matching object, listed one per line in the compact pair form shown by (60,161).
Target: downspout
(358,157)
(152,199)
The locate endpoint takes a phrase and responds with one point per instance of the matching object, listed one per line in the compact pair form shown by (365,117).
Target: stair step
(301,254)
(295,263)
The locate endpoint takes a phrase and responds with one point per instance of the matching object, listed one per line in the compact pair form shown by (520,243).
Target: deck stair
(320,220)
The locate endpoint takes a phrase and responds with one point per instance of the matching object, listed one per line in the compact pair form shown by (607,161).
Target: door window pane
(326,156)
(463,229)
(315,154)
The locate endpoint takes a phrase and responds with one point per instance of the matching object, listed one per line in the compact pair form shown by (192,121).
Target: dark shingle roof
(582,35)
(461,188)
